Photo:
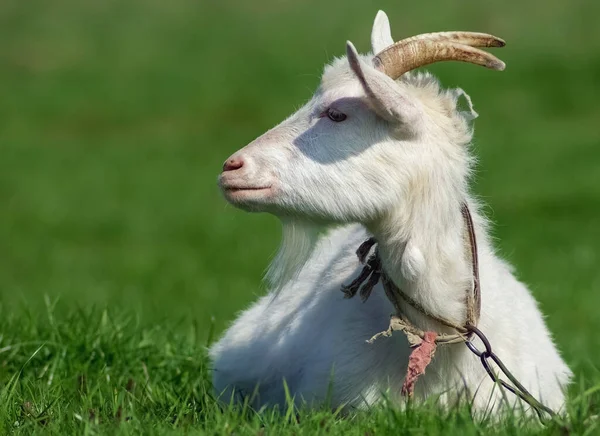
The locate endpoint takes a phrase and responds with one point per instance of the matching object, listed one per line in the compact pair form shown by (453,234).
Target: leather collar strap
(473,298)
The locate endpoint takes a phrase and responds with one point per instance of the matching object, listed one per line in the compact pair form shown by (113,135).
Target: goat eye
(335,115)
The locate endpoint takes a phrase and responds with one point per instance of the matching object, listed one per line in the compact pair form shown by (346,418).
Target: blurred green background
(116,116)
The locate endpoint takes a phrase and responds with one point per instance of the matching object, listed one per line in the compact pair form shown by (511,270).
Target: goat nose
(233,163)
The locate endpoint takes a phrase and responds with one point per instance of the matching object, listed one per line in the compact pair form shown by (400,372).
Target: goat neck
(423,252)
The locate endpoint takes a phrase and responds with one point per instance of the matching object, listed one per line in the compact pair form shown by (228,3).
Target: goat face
(328,160)
(361,145)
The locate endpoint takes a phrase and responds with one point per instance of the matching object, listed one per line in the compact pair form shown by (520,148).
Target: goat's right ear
(384,95)
(381,35)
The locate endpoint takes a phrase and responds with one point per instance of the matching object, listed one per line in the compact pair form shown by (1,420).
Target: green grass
(94,372)
(115,118)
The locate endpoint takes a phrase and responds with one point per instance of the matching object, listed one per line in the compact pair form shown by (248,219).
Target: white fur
(396,168)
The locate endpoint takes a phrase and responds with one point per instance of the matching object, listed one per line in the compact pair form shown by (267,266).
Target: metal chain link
(516,388)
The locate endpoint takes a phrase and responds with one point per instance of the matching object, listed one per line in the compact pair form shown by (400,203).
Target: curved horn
(404,56)
(472,39)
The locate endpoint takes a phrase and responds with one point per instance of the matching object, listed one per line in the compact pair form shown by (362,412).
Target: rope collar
(424,343)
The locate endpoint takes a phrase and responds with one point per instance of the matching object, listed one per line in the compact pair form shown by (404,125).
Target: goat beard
(297,245)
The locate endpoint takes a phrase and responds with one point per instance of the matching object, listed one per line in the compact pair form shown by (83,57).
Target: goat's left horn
(405,56)
(472,39)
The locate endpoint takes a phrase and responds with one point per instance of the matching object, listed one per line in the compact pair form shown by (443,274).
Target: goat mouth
(245,188)
(241,193)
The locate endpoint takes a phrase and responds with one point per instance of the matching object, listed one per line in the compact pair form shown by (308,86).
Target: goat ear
(386,98)
(468,114)
(381,35)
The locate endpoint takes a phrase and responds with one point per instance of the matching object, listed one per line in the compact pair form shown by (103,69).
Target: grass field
(119,261)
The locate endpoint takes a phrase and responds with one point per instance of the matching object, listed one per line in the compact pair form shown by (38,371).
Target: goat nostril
(233,164)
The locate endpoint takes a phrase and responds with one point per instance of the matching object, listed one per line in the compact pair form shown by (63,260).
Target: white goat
(371,155)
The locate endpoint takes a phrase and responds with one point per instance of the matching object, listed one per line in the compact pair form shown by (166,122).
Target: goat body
(372,156)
